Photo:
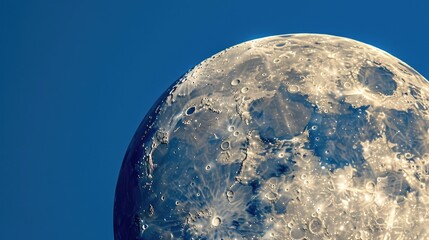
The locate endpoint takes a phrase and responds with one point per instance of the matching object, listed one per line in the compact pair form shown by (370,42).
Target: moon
(302,136)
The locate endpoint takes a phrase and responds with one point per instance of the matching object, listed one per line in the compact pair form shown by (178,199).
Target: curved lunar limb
(300,136)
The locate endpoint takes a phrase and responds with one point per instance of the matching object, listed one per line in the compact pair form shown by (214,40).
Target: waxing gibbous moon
(301,136)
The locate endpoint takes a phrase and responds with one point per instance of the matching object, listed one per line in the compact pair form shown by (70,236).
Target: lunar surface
(288,137)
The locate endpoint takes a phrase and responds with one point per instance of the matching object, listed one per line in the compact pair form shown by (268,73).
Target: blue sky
(77,77)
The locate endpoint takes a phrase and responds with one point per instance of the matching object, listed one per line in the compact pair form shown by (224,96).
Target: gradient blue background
(77,77)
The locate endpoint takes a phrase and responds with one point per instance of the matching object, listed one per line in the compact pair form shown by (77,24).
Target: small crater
(347,85)
(235,82)
(245,90)
(190,111)
(225,145)
(216,221)
(370,186)
(144,226)
(315,226)
(408,155)
(293,88)
(379,220)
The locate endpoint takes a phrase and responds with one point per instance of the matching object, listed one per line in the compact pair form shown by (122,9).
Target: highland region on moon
(301,136)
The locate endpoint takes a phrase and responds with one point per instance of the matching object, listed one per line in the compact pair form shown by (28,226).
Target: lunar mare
(300,136)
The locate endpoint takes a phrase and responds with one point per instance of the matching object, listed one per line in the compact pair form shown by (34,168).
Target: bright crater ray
(288,137)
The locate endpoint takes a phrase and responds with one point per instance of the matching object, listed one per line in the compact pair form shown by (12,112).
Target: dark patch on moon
(378,79)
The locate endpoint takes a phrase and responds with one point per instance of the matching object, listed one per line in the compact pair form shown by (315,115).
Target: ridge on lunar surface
(300,136)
